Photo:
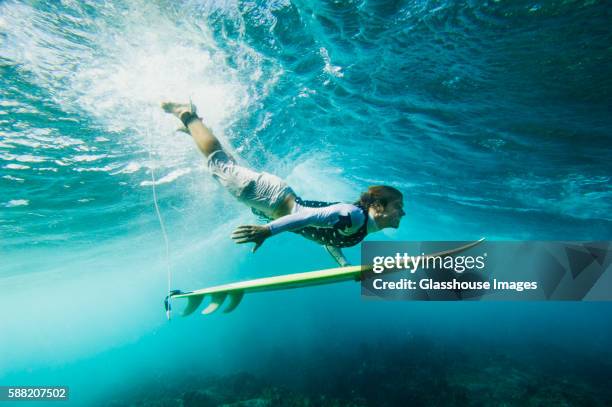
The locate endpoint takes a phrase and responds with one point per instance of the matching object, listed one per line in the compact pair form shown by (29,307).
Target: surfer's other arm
(337,255)
(344,217)
(259,233)
(325,217)
(252,234)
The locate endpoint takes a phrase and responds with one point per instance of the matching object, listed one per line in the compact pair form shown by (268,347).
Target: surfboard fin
(235,298)
(193,303)
(215,303)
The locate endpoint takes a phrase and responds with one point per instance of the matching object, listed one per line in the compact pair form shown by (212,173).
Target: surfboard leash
(162,226)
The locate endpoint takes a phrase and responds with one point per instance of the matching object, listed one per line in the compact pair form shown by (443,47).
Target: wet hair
(381,194)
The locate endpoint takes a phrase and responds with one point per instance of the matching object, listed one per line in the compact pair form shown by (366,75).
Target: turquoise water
(492,118)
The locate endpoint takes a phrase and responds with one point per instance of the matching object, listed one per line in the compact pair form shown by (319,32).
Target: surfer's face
(390,215)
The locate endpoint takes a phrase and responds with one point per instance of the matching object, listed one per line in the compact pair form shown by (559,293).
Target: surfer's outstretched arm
(337,254)
(343,216)
(202,135)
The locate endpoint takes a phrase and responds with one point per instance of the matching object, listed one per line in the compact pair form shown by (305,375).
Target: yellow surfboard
(235,291)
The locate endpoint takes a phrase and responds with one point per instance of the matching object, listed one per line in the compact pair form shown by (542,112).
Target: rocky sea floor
(416,373)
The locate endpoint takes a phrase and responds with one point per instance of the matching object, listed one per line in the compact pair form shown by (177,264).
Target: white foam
(9,177)
(17,202)
(329,68)
(88,158)
(129,169)
(9,103)
(317,179)
(24,158)
(16,167)
(168,178)
(25,142)
(137,58)
(106,168)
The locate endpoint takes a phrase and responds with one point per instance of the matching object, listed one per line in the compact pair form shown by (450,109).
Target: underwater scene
(491,118)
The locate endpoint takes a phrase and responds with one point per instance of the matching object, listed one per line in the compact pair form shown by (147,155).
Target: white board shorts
(259,190)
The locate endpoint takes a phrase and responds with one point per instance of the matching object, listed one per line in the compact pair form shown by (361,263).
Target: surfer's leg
(204,138)
(269,195)
(263,192)
(202,135)
(286,206)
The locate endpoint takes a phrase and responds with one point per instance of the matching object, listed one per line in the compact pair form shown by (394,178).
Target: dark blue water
(492,118)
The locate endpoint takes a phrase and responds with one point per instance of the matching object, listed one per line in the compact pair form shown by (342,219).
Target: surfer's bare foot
(178,109)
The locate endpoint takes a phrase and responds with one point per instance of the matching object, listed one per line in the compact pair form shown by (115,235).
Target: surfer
(334,225)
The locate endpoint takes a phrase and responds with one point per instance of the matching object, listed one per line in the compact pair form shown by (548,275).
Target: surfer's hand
(251,233)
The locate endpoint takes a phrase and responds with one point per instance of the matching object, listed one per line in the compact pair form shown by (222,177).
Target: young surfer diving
(333,225)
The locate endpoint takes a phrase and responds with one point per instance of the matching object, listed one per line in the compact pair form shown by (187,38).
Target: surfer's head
(385,205)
